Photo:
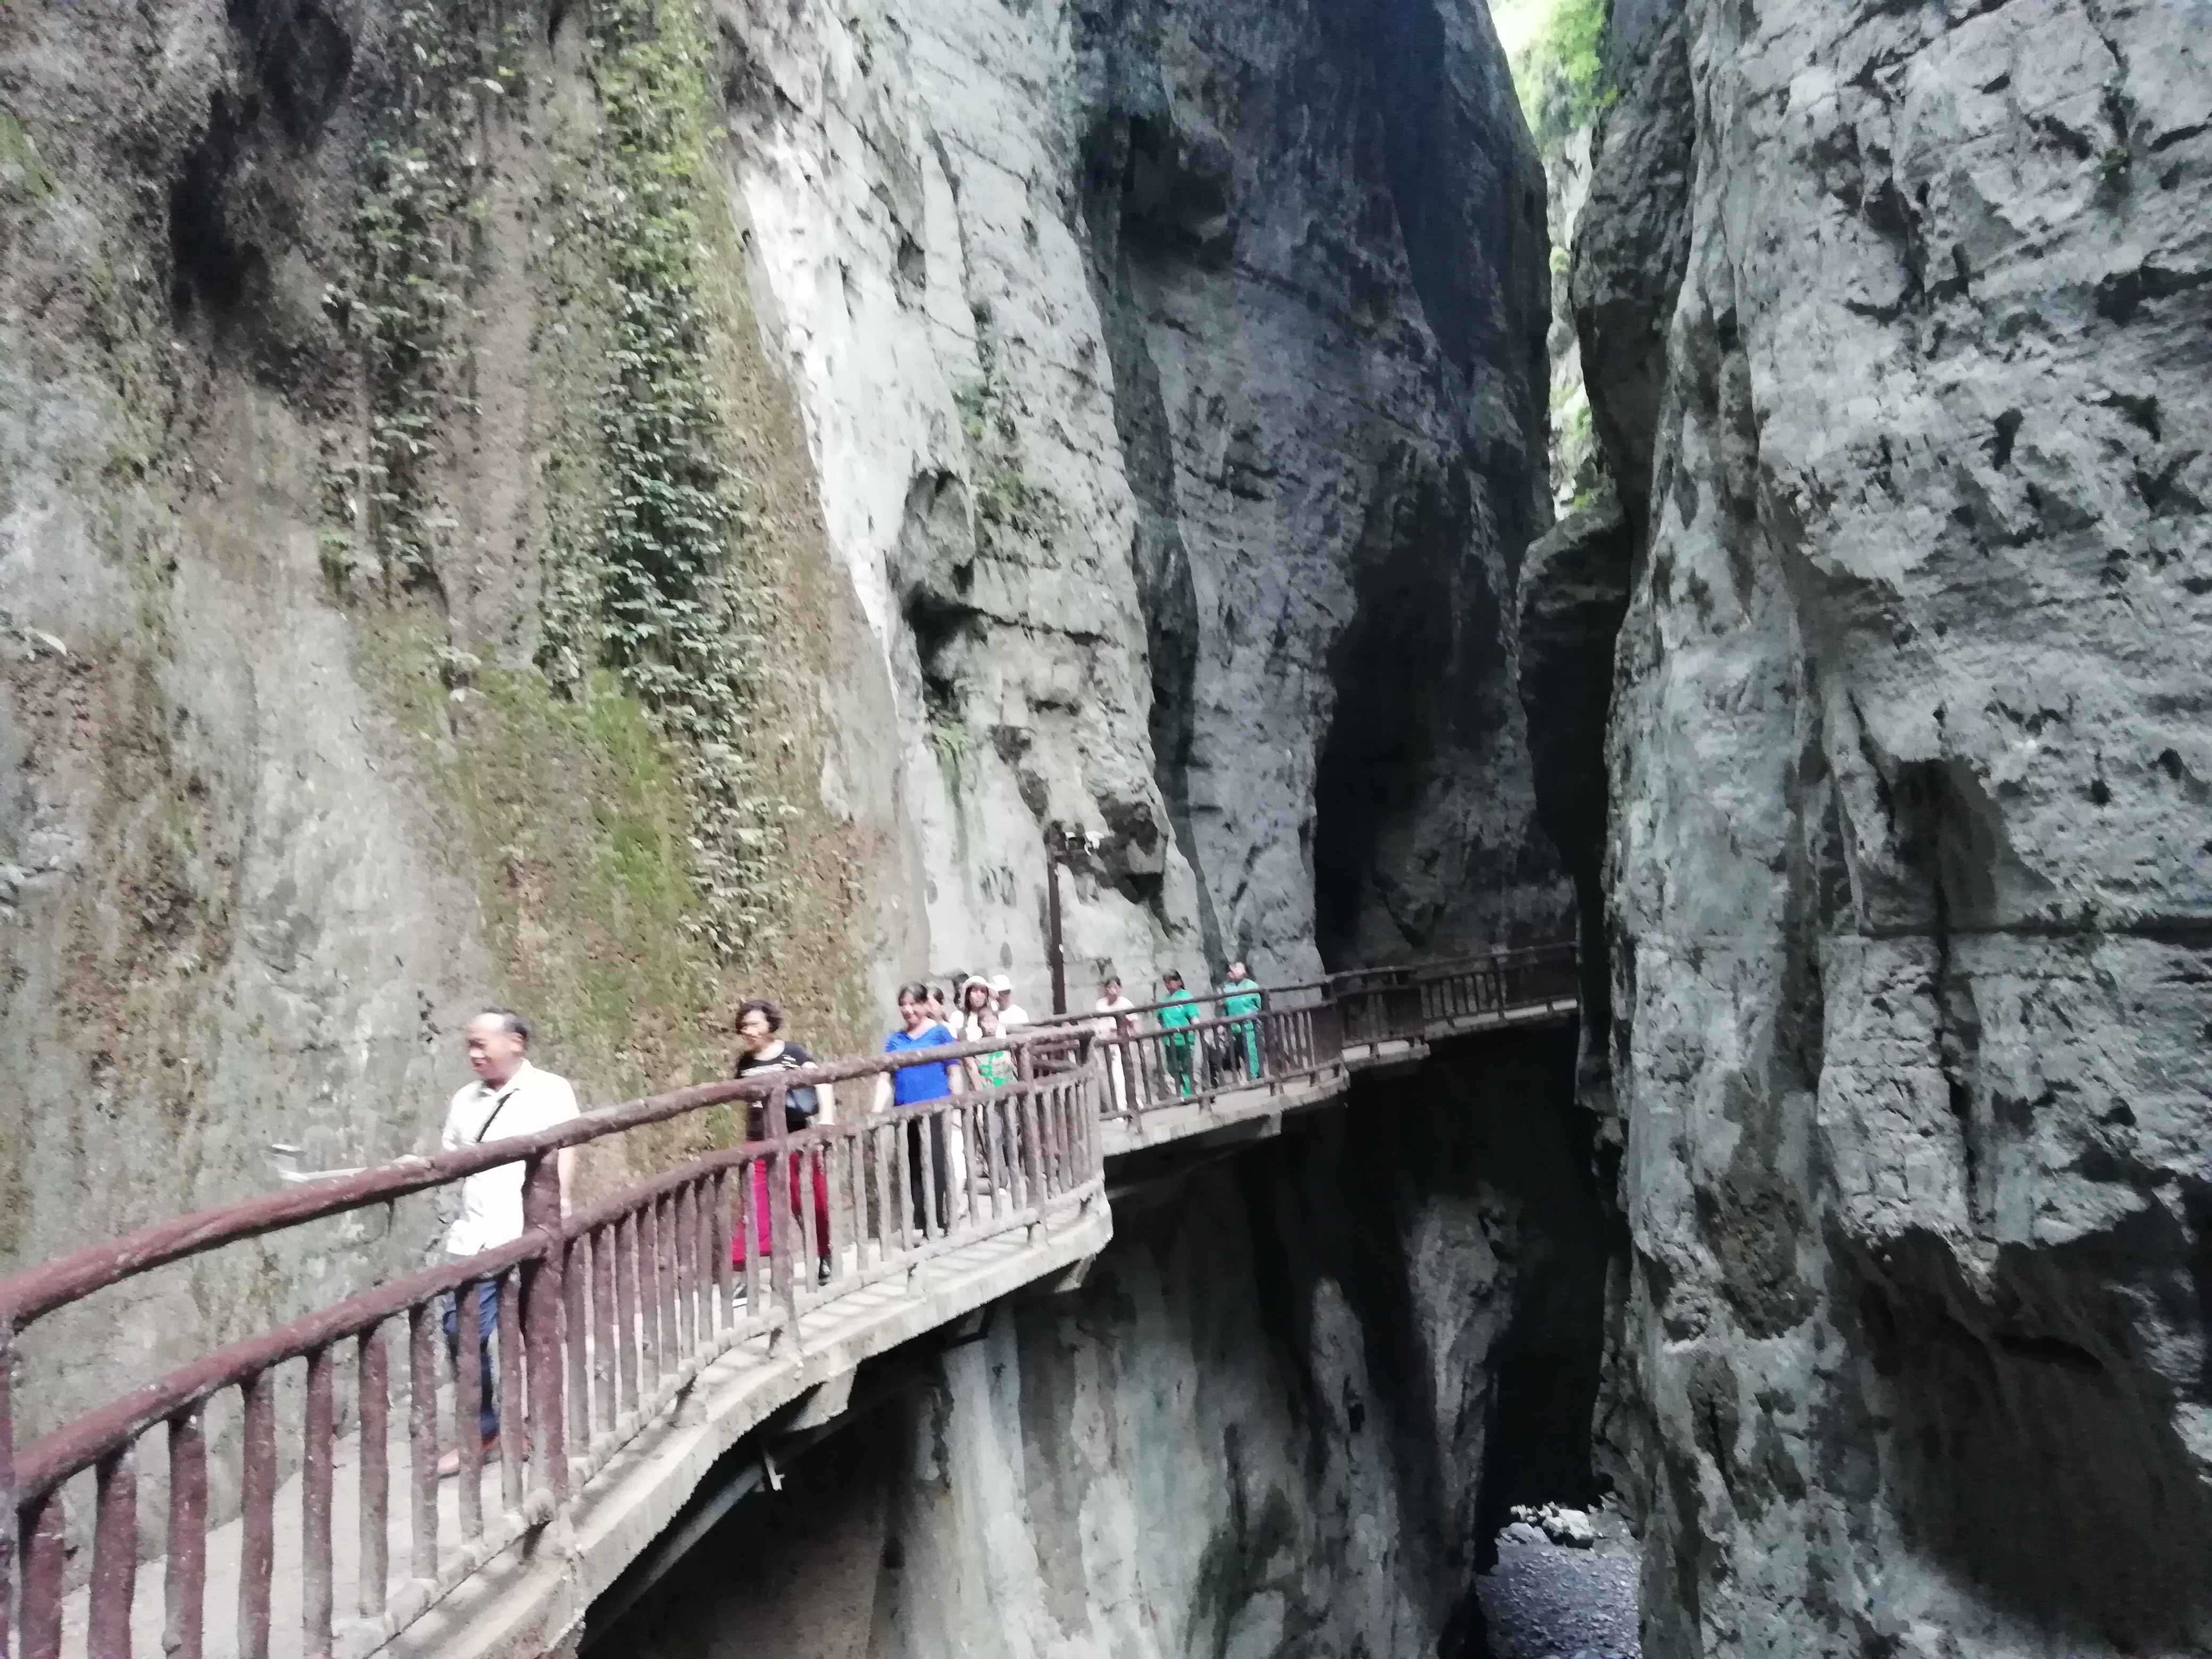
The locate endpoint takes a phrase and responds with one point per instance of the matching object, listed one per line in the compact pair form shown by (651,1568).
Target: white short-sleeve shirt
(491,1200)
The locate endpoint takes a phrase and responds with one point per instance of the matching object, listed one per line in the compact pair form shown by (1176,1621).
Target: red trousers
(762,1220)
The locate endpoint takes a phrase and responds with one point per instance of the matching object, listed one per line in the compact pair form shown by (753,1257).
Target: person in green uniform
(1182,1011)
(1240,996)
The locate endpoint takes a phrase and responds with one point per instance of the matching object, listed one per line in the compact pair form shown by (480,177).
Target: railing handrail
(603,1313)
(1416,973)
(46,1462)
(31,1293)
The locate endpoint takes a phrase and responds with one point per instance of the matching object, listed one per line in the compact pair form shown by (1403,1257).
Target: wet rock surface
(1549,1599)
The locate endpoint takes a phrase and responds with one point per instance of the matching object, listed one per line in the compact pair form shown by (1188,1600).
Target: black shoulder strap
(497,1107)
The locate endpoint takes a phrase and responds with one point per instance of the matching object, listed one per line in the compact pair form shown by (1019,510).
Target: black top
(798,1102)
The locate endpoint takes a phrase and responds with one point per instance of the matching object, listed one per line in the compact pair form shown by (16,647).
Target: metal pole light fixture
(1061,844)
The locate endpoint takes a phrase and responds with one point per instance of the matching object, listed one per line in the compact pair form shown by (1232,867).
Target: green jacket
(1182,1009)
(1241,996)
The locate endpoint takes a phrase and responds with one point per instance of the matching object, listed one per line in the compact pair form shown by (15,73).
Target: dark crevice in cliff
(1133,197)
(2032,1452)
(1492,1127)
(1393,671)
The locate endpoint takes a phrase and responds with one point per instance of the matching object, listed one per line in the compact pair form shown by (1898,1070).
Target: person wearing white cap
(1011,1013)
(975,995)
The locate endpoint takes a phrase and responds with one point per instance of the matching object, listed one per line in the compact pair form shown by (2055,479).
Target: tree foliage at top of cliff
(1558,49)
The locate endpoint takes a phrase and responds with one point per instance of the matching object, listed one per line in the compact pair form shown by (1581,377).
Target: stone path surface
(1545,1600)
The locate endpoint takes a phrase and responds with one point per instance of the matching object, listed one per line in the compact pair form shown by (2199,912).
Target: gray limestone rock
(1907,867)
(1133,417)
(1574,591)
(1260,297)
(1632,239)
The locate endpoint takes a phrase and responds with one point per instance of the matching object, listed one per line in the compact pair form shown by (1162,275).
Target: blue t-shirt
(912,1085)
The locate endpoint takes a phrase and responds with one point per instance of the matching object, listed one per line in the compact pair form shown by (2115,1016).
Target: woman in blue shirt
(918,1085)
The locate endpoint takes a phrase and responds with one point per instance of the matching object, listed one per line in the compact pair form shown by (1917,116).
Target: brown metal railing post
(542,1305)
(114,1556)
(469,1338)
(718,1241)
(183,1587)
(1091,1065)
(423,1443)
(45,1543)
(375,1384)
(1025,1086)
(509,1330)
(318,1601)
(257,1514)
(628,1369)
(575,1290)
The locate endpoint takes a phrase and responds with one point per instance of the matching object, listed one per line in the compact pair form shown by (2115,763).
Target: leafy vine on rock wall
(652,580)
(416,229)
(1011,509)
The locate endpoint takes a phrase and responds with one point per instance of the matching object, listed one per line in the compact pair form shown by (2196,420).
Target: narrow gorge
(611,507)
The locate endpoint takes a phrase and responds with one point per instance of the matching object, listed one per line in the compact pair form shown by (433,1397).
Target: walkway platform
(523,1587)
(628,1368)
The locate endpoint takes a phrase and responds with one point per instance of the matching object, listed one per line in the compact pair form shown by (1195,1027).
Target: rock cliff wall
(372,649)
(608,507)
(1894,321)
(605,508)
(1175,377)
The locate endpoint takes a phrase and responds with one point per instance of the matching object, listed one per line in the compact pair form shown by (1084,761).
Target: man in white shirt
(510,1097)
(1011,1013)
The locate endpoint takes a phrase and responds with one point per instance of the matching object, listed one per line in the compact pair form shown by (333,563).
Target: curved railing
(602,1317)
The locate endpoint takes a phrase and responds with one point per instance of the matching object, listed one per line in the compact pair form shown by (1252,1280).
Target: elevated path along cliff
(280,1494)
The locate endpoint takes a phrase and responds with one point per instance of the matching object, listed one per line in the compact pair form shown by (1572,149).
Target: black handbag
(801,1101)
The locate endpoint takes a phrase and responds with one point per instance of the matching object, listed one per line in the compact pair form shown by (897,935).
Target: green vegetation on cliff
(653,577)
(417,228)
(551,344)
(1558,52)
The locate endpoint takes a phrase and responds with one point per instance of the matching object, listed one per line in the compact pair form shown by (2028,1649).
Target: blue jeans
(486,1322)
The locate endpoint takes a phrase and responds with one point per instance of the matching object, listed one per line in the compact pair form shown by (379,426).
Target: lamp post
(1060,844)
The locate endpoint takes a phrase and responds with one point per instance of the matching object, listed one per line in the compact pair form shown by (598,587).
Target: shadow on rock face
(2030,1453)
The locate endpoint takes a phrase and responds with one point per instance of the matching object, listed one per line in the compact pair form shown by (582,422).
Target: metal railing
(601,1318)
(1194,1065)
(1543,975)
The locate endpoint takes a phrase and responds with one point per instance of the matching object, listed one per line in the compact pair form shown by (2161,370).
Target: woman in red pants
(761,1049)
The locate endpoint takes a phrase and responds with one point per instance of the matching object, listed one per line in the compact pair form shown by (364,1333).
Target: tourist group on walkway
(946,1174)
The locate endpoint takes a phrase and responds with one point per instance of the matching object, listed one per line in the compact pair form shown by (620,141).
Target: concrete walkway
(512,1592)
(523,1586)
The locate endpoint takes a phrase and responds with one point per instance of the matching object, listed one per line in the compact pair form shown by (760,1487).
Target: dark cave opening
(1391,668)
(209,269)
(1538,1437)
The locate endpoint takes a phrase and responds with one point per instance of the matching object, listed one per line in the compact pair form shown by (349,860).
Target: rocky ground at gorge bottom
(1550,1601)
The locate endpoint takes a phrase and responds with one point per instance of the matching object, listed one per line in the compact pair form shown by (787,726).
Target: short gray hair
(512,1022)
